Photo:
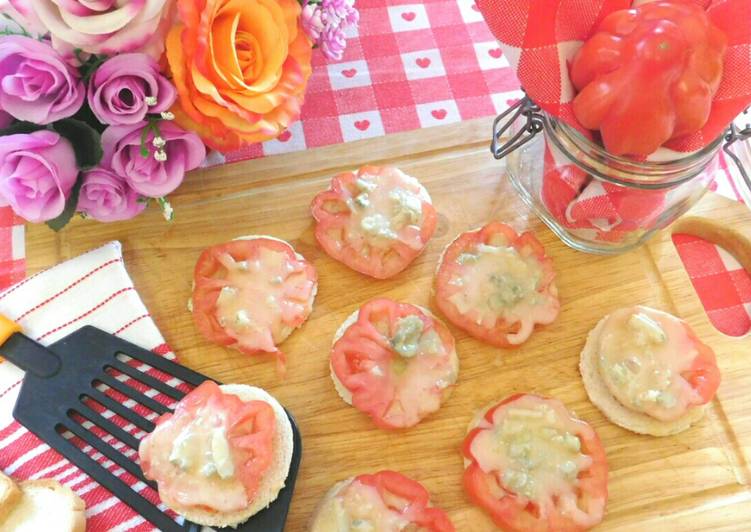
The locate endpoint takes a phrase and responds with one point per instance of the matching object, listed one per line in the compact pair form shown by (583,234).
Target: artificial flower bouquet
(105,105)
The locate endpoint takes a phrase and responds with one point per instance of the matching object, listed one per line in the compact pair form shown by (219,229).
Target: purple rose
(127,87)
(312,21)
(325,23)
(37,173)
(333,42)
(36,84)
(107,197)
(175,152)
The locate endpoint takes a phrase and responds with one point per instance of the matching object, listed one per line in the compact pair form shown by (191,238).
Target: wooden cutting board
(696,480)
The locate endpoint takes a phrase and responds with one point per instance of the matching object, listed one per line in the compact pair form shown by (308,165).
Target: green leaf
(20,127)
(87,143)
(85,114)
(70,207)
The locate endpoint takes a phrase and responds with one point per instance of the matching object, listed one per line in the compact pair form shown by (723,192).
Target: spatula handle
(25,352)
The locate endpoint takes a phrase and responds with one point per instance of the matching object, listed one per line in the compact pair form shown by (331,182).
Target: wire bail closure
(501,124)
(733,135)
(531,111)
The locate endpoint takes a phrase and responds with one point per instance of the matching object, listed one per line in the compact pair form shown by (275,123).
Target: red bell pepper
(648,75)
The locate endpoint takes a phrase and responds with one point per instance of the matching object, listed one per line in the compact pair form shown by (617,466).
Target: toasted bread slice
(42,503)
(273,480)
(10,494)
(619,414)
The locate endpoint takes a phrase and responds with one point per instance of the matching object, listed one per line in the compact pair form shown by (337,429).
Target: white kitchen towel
(92,289)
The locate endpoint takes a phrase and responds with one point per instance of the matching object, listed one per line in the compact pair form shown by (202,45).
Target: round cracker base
(287,331)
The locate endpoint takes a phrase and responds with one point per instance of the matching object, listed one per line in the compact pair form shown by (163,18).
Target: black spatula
(51,401)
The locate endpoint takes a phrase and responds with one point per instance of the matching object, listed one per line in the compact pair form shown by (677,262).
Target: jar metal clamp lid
(500,146)
(743,139)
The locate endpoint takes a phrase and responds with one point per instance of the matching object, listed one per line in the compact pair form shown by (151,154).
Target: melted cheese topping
(423,369)
(642,353)
(359,508)
(499,282)
(195,462)
(387,208)
(263,299)
(532,444)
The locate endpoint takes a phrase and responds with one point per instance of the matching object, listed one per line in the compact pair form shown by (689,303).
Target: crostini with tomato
(376,220)
(532,466)
(648,372)
(251,293)
(395,362)
(221,456)
(497,285)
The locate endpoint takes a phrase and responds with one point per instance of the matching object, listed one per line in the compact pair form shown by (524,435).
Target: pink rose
(36,84)
(107,197)
(23,16)
(37,173)
(104,26)
(127,87)
(182,151)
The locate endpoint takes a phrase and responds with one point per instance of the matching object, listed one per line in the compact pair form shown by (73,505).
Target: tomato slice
(652,362)
(704,375)
(376,221)
(497,285)
(250,294)
(534,467)
(212,452)
(397,361)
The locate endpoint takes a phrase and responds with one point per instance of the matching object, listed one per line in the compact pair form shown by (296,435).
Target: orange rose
(240,68)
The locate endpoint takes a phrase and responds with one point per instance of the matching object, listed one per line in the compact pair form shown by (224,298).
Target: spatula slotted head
(70,407)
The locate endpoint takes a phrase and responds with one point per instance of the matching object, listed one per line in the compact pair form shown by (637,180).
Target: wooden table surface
(695,480)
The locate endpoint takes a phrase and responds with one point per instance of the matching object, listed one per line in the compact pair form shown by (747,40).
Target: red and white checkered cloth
(92,289)
(411,65)
(12,256)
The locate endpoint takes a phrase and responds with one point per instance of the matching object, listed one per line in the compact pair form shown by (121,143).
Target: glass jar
(594,201)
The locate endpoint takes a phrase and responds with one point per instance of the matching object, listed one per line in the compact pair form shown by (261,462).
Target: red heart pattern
(409,16)
(495,53)
(285,136)
(438,114)
(362,125)
(423,62)
(349,72)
